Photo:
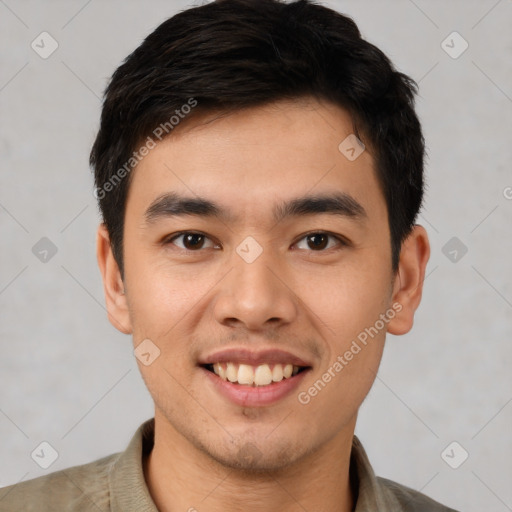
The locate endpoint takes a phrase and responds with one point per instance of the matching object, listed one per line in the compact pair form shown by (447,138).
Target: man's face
(298,291)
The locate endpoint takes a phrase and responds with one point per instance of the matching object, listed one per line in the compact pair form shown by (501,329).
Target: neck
(182,478)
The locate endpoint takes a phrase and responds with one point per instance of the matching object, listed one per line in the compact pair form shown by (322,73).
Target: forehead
(256,157)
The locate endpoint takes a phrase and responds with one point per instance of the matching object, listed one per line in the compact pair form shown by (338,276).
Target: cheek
(346,300)
(351,304)
(354,343)
(167,300)
(157,299)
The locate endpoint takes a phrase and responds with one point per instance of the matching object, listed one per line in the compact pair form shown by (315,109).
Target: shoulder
(78,488)
(409,499)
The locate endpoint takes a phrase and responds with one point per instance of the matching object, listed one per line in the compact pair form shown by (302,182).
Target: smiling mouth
(255,376)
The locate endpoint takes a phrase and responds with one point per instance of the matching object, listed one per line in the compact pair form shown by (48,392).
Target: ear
(408,285)
(113,286)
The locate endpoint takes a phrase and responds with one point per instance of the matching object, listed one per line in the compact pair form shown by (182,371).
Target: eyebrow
(173,204)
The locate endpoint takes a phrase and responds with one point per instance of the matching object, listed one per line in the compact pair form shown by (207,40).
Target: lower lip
(255,396)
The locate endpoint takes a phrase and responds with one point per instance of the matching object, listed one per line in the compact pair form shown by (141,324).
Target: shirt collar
(371,495)
(128,489)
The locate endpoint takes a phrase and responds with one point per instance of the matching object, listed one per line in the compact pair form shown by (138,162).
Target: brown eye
(191,241)
(319,241)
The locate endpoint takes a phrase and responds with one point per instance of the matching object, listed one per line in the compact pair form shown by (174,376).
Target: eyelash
(341,241)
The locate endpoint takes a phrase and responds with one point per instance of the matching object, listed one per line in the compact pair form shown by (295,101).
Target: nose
(255,295)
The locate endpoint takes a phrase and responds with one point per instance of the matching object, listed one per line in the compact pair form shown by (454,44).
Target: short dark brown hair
(229,55)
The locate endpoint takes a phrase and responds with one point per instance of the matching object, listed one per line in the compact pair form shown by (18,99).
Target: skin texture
(312,303)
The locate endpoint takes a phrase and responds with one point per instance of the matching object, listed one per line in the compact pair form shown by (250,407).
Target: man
(259,170)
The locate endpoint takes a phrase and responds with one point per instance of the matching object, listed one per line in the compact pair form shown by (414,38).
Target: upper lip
(253,357)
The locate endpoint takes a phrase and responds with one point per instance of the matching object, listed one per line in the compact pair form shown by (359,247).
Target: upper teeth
(261,375)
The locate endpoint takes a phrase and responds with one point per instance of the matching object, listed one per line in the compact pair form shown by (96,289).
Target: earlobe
(408,285)
(113,286)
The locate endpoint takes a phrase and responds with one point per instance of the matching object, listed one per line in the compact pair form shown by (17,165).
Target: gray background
(69,378)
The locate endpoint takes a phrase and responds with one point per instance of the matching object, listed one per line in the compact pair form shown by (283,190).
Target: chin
(251,461)
(258,457)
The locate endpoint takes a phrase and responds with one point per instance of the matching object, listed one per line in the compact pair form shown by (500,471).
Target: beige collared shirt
(116,484)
